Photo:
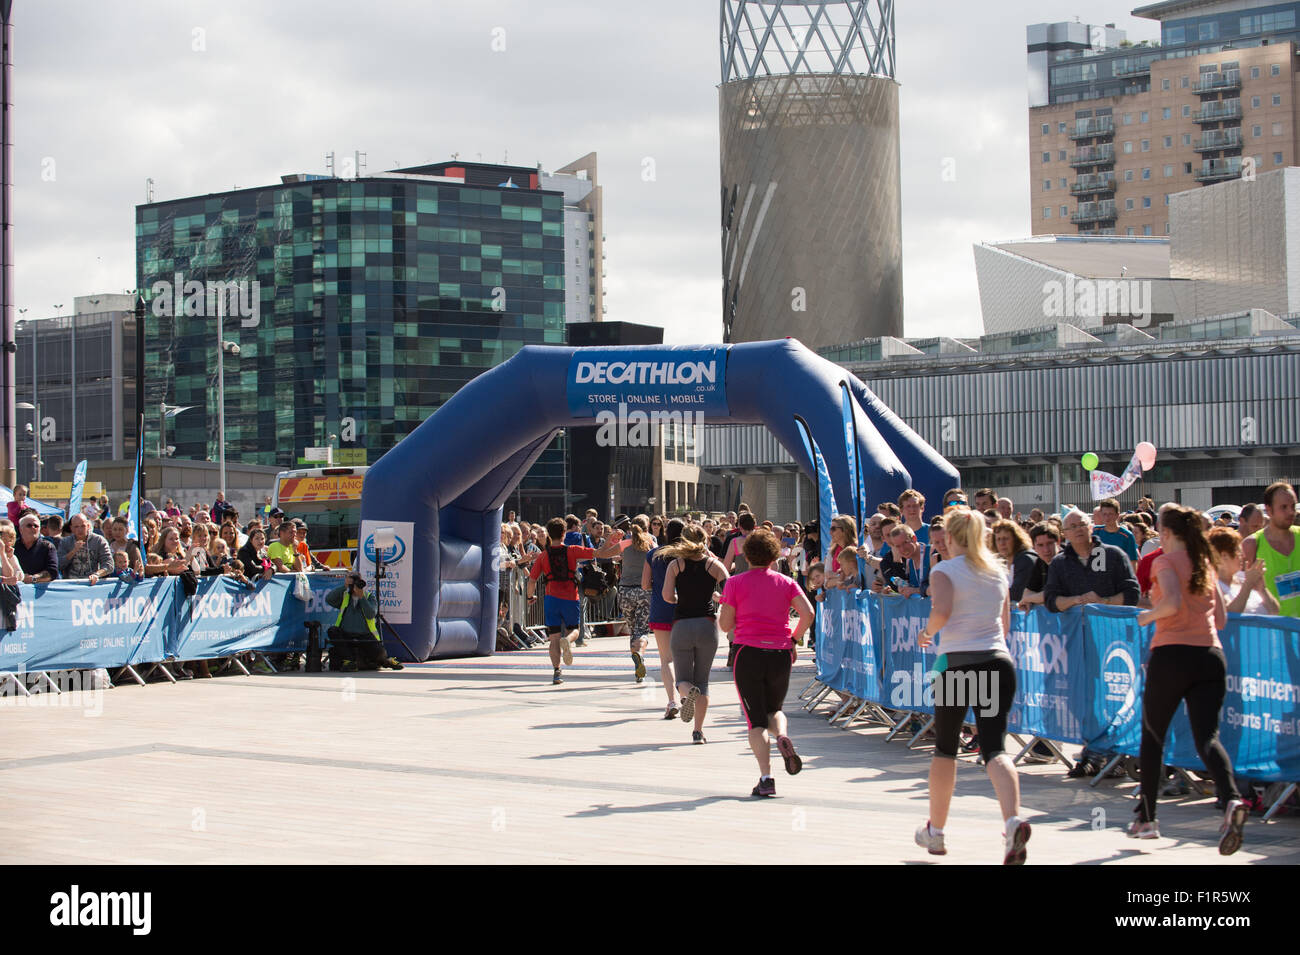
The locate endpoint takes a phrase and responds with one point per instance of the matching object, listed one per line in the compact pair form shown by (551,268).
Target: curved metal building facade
(811,214)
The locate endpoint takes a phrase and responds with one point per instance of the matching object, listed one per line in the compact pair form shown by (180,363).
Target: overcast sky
(203,96)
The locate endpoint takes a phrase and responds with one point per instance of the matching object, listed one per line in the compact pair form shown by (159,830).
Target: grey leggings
(695,644)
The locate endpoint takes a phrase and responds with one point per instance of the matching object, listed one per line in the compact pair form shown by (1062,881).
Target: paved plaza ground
(484,761)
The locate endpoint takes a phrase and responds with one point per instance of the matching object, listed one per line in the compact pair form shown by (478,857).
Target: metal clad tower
(811,215)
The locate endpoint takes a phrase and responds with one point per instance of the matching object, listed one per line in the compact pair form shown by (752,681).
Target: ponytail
(1185,524)
(693,545)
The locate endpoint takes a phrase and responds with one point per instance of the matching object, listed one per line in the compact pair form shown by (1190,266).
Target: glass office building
(376,299)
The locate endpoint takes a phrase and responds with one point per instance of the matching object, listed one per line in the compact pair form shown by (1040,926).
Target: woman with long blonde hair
(689,584)
(971,604)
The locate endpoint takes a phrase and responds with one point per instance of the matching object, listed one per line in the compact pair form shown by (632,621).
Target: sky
(206,96)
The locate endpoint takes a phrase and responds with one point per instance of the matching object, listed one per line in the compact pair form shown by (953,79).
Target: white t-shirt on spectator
(1254,603)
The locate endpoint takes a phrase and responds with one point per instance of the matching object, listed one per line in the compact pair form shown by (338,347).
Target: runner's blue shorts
(559,612)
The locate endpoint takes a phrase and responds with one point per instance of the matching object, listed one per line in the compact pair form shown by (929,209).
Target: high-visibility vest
(370,623)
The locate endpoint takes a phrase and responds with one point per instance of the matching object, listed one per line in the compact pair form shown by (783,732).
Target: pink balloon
(1146,455)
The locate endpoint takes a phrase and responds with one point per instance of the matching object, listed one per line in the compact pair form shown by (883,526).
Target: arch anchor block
(452,474)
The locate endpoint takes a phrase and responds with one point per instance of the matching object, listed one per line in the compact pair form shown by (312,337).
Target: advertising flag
(78,483)
(856,484)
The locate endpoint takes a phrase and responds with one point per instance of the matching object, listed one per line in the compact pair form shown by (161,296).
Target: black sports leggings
(989,688)
(1198,675)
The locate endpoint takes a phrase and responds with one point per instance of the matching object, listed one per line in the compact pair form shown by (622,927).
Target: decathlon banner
(67,625)
(850,629)
(907,672)
(1046,648)
(225,616)
(650,383)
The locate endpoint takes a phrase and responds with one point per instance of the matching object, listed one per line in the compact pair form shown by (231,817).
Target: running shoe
(785,745)
(555,677)
(671,712)
(1230,832)
(566,651)
(1137,829)
(697,737)
(765,788)
(930,842)
(640,666)
(1015,841)
(688,704)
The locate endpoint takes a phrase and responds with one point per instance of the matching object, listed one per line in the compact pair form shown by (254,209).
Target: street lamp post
(223,346)
(36,435)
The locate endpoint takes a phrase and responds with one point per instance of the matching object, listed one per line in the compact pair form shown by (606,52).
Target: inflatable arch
(449,478)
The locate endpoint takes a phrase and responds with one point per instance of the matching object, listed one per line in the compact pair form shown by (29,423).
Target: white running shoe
(566,651)
(930,842)
(1143,830)
(1234,818)
(1016,837)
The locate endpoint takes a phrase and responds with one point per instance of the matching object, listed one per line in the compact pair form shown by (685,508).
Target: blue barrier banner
(907,680)
(1047,650)
(666,380)
(830,639)
(848,641)
(1260,722)
(1108,697)
(70,625)
(226,617)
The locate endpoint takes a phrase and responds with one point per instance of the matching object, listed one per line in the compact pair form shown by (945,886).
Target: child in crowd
(235,568)
(122,568)
(817,581)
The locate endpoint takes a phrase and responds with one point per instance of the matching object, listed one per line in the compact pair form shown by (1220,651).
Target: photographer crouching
(356,627)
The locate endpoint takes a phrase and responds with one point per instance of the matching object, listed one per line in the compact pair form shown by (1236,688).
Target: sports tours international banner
(1260,722)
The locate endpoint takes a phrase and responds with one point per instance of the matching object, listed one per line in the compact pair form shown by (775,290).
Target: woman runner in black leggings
(1186,663)
(971,605)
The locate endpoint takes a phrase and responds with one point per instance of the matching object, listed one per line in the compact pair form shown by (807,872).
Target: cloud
(200,96)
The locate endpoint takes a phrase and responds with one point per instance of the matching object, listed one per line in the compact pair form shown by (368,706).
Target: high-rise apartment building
(1116,128)
(365,302)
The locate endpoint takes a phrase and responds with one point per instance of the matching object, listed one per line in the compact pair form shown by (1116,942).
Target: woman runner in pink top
(756,606)
(1186,663)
